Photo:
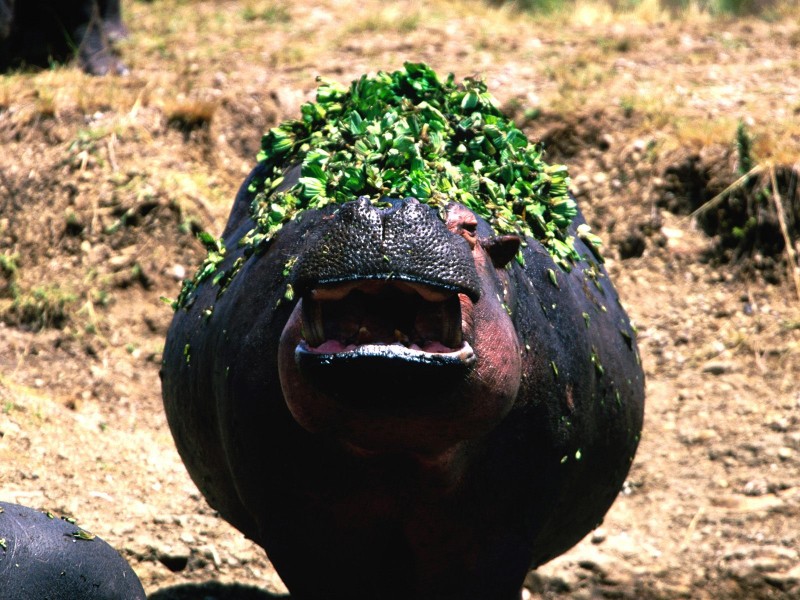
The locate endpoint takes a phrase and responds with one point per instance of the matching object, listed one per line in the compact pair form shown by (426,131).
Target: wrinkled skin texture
(34,32)
(43,559)
(391,473)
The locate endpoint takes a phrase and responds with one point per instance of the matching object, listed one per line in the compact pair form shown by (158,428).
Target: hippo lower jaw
(388,366)
(397,373)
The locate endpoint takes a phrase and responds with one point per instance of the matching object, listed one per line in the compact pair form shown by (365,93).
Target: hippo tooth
(312,323)
(364,335)
(401,337)
(452,326)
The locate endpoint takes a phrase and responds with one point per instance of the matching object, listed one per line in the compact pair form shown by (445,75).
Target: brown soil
(103,183)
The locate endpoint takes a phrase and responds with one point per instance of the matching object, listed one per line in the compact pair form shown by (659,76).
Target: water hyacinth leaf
(470,100)
(408,133)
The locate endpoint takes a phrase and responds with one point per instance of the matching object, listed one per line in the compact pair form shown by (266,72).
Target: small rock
(187,538)
(756,487)
(699,437)
(778,423)
(715,367)
(178,272)
(175,558)
(598,536)
(210,552)
(120,261)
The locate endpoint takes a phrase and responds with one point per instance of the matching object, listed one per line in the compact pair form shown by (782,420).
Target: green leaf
(403,133)
(469,101)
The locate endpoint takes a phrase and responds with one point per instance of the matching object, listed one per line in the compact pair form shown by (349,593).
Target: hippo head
(401,340)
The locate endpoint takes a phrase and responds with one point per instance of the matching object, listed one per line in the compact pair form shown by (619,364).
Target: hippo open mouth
(395,336)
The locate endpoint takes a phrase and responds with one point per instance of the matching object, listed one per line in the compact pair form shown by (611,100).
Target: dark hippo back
(580,407)
(44,557)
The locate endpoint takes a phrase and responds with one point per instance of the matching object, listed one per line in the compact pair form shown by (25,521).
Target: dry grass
(181,81)
(187,114)
(399,18)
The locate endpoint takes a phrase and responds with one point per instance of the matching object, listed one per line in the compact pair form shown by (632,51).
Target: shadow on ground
(214,591)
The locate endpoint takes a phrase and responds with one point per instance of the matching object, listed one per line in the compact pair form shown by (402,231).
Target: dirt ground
(104,182)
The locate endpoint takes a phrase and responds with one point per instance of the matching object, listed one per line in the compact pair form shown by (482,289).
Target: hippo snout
(398,240)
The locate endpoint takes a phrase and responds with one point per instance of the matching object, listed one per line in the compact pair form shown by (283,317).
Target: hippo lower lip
(408,378)
(464,356)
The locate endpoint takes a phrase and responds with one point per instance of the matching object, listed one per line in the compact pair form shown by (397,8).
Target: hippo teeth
(341,318)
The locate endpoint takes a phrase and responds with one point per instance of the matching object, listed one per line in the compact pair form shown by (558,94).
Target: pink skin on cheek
(495,340)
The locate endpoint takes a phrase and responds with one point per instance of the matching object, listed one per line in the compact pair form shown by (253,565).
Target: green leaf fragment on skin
(408,133)
(82,534)
(596,362)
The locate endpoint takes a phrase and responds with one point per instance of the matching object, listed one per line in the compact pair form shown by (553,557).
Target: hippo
(398,397)
(42,556)
(34,32)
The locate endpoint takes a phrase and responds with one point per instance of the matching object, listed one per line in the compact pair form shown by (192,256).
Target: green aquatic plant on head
(409,134)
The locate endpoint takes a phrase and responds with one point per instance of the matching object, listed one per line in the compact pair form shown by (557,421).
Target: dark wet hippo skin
(420,416)
(44,557)
(34,32)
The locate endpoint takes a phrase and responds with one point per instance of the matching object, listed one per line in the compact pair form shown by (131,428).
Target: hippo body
(45,557)
(394,407)
(35,32)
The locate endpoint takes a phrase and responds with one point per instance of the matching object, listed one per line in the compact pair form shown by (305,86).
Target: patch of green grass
(537,6)
(741,7)
(43,306)
(766,9)
(9,264)
(384,21)
(289,56)
(9,267)
(273,12)
(628,105)
(744,149)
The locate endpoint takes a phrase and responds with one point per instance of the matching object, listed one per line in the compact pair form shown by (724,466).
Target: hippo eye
(461,221)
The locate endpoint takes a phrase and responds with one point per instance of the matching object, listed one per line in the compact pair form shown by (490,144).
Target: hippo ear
(501,248)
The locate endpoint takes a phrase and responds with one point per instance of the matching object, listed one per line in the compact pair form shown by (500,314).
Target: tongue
(433,347)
